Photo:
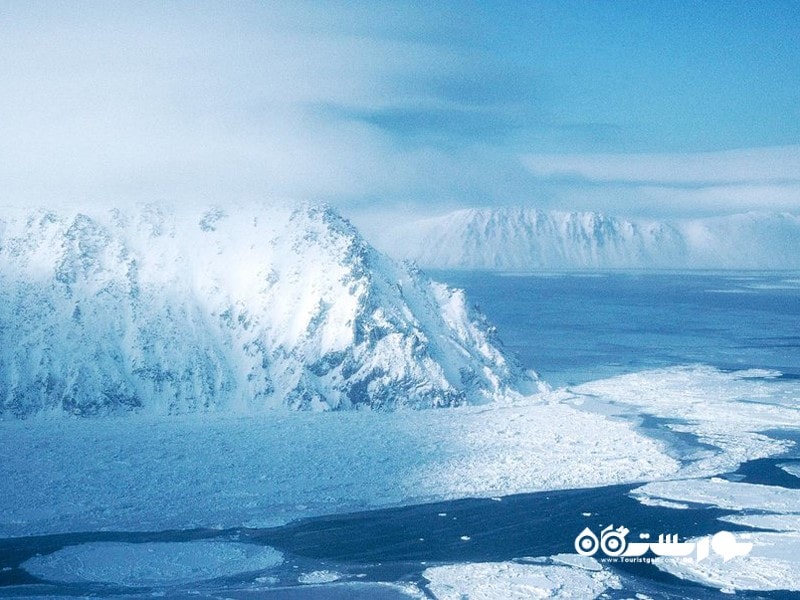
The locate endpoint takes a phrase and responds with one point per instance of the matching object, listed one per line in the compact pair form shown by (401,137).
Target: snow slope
(529,239)
(167,310)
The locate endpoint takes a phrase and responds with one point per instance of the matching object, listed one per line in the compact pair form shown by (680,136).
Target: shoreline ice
(150,474)
(146,473)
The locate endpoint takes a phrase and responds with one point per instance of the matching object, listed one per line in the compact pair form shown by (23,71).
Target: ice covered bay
(146,473)
(149,474)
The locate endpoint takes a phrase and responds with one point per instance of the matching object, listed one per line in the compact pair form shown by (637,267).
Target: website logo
(613,543)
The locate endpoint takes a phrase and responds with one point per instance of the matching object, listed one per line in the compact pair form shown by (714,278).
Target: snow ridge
(529,239)
(165,310)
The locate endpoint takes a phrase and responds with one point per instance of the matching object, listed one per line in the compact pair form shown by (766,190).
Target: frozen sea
(640,339)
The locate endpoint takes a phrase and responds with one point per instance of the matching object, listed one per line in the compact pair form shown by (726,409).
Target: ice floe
(791,468)
(510,580)
(730,415)
(576,560)
(774,522)
(722,493)
(772,564)
(648,501)
(316,577)
(148,564)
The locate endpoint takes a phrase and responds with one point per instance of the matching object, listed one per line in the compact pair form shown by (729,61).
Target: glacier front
(167,310)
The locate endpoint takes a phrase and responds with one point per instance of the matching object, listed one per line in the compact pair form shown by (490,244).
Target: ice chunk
(649,501)
(146,564)
(775,522)
(772,564)
(508,581)
(576,560)
(791,468)
(316,577)
(723,494)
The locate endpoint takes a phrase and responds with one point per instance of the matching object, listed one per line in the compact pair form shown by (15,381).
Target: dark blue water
(570,328)
(573,328)
(398,544)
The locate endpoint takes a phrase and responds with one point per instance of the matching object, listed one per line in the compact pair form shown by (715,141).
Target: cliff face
(528,239)
(170,311)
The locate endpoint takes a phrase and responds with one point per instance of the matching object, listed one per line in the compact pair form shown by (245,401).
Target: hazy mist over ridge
(401,110)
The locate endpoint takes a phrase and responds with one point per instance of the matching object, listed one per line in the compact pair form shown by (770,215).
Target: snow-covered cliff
(168,311)
(529,239)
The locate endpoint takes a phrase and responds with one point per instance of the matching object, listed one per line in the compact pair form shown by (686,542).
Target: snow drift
(169,311)
(529,239)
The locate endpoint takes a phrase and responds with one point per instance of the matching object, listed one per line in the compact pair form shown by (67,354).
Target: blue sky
(629,107)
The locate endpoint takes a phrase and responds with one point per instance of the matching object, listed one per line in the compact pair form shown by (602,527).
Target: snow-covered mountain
(529,239)
(166,311)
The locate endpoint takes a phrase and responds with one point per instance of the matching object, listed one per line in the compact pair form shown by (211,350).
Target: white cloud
(675,202)
(755,165)
(357,104)
(674,185)
(178,101)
